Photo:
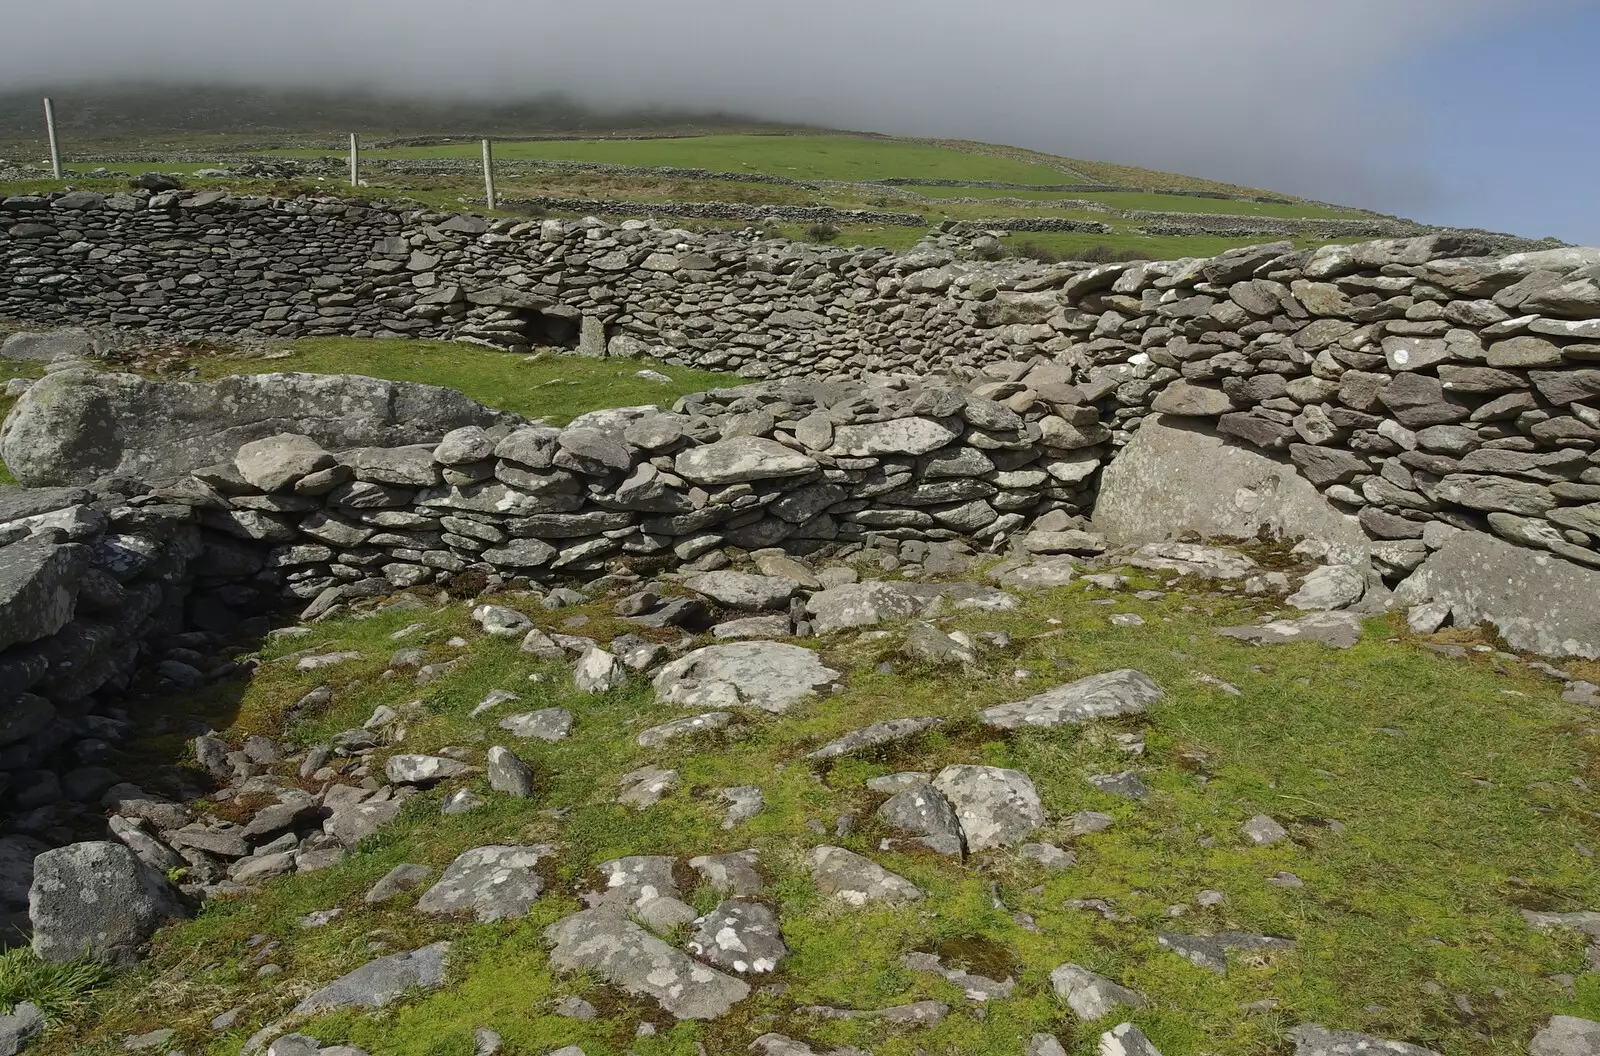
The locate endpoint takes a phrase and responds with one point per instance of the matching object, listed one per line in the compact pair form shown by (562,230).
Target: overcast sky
(1473,112)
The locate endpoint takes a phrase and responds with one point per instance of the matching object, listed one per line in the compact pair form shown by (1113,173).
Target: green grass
(1168,203)
(1452,783)
(552,386)
(60,991)
(10,369)
(804,157)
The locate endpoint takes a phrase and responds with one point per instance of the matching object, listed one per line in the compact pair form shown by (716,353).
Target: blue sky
(1508,124)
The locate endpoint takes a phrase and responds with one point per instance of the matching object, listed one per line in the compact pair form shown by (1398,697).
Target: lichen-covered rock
(857,880)
(767,675)
(379,983)
(630,958)
(496,883)
(1104,696)
(996,807)
(98,900)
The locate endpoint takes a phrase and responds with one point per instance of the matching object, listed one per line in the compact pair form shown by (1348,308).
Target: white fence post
(488,174)
(355,160)
(55,146)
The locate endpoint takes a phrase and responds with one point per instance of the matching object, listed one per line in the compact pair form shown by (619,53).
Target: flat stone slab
(497,882)
(1039,574)
(1089,995)
(546,724)
(742,590)
(630,958)
(379,983)
(858,880)
(635,879)
(1313,1039)
(1192,559)
(1340,630)
(1105,696)
(730,874)
(656,736)
(916,1014)
(771,676)
(875,736)
(1584,921)
(1211,951)
(739,936)
(862,605)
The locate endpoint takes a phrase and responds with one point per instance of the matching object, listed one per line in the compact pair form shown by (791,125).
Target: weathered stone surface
(1562,1036)
(1211,951)
(76,425)
(509,774)
(1171,480)
(408,769)
(496,883)
(740,459)
(1329,587)
(1341,630)
(97,900)
(39,582)
(1313,1039)
(628,957)
(1184,399)
(1103,696)
(741,590)
(857,880)
(656,736)
(275,462)
(1091,996)
(1191,559)
(923,809)
(996,807)
(902,436)
(861,605)
(739,936)
(379,983)
(1125,1039)
(878,734)
(767,675)
(1535,600)
(546,724)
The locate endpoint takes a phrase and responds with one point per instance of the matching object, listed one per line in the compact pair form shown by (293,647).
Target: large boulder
(39,588)
(1537,601)
(1169,481)
(76,425)
(97,900)
(51,346)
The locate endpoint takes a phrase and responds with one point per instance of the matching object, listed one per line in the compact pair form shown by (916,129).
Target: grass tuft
(60,991)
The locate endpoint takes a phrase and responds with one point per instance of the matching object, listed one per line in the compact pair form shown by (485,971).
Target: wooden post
(355,160)
(488,174)
(55,146)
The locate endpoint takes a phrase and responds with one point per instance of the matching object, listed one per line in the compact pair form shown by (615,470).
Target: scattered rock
(1211,951)
(997,808)
(380,982)
(1313,1039)
(1110,695)
(1263,831)
(1091,996)
(857,880)
(1340,630)
(877,735)
(495,883)
(626,956)
(767,675)
(1125,1039)
(740,936)
(1563,1036)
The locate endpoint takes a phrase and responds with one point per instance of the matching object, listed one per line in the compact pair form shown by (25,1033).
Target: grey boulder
(381,982)
(496,883)
(996,807)
(1329,587)
(1109,695)
(1313,1039)
(861,605)
(768,675)
(741,590)
(1566,1036)
(97,900)
(630,958)
(739,936)
(1091,996)
(856,880)
(76,425)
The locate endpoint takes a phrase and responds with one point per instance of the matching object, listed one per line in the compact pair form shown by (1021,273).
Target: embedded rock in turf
(861,605)
(996,807)
(741,590)
(656,736)
(875,736)
(730,874)
(634,879)
(379,982)
(744,803)
(1039,574)
(1340,630)
(1563,1036)
(923,809)
(1192,559)
(626,956)
(1329,587)
(1211,951)
(1125,1039)
(496,883)
(1313,1039)
(767,675)
(546,724)
(978,988)
(643,788)
(783,1045)
(1105,696)
(1091,996)
(739,936)
(857,880)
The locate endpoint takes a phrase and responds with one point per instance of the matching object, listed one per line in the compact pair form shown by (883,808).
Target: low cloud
(1284,94)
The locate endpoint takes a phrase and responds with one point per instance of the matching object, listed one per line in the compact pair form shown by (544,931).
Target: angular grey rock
(656,736)
(763,627)
(48,347)
(397,881)
(546,724)
(1339,630)
(1044,1045)
(923,809)
(740,590)
(501,622)
(97,900)
(925,641)
(275,462)
(1125,1039)
(974,987)
(899,436)
(423,769)
(767,675)
(1563,1036)
(39,581)
(643,788)
(19,1027)
(1185,399)
(1264,831)
(599,671)
(730,874)
(1104,696)
(861,605)
(496,883)
(1039,574)
(1329,587)
(744,803)
(77,425)
(996,807)
(1211,951)
(626,956)
(1125,783)
(741,459)
(1313,1039)
(1091,996)
(1538,602)
(350,825)
(1048,855)
(381,982)
(633,880)
(463,446)
(875,736)
(739,936)
(857,880)
(508,774)
(1170,480)
(1192,559)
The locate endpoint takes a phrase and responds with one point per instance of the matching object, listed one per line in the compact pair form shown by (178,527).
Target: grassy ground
(1170,203)
(1456,789)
